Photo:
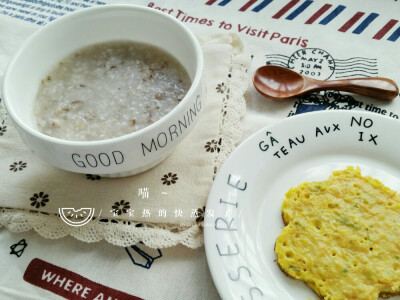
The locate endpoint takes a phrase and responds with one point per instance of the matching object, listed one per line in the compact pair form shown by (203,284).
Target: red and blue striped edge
(324,13)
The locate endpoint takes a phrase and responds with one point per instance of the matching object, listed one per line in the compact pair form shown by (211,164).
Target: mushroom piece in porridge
(109,90)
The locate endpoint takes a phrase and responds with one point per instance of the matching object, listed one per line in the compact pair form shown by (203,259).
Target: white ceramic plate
(243,214)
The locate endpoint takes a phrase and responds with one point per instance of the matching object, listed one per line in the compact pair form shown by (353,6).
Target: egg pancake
(342,237)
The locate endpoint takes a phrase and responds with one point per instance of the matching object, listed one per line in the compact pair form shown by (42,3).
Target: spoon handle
(375,87)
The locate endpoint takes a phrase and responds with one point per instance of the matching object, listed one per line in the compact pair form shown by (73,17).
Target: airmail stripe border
(321,14)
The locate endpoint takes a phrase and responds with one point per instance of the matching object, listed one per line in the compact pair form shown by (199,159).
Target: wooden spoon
(280,83)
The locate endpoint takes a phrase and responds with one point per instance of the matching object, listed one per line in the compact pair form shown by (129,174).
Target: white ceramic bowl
(122,156)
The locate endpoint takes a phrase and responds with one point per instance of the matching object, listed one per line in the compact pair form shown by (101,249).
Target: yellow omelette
(342,237)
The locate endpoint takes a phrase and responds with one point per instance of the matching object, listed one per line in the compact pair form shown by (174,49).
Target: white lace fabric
(177,188)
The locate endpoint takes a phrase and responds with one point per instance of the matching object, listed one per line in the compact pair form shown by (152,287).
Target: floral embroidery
(213,146)
(18,166)
(39,199)
(93,177)
(169,178)
(3,130)
(221,88)
(200,214)
(120,207)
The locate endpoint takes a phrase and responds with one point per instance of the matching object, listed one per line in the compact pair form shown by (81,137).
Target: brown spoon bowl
(278,83)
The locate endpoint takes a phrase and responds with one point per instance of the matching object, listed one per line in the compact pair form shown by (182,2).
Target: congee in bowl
(109,90)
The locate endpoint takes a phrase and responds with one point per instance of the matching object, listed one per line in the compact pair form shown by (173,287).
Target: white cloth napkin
(162,207)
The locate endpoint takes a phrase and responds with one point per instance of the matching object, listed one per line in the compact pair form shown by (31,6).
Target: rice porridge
(109,90)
